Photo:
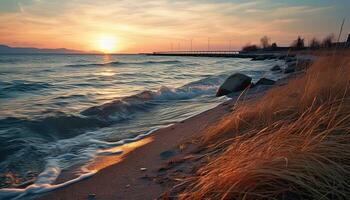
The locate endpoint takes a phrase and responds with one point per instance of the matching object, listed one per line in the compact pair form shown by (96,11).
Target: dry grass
(292,144)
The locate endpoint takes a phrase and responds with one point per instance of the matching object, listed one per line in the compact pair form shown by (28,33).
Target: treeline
(298,44)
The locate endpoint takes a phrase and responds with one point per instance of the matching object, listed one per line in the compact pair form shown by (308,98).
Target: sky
(133,26)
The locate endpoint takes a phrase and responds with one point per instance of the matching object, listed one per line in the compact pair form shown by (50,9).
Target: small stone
(290,69)
(143,169)
(127,186)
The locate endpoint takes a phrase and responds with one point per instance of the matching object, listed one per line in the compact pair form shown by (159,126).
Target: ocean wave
(23,86)
(119,63)
(45,180)
(9,60)
(124,107)
(57,126)
(77,138)
(43,183)
(61,125)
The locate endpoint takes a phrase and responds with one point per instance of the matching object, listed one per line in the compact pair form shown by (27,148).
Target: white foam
(45,180)
(43,183)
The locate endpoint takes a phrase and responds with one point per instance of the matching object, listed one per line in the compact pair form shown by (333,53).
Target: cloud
(155,23)
(8,6)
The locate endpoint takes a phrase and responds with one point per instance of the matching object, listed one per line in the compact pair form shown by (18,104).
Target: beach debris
(182,147)
(276,68)
(127,186)
(91,196)
(143,169)
(234,83)
(265,81)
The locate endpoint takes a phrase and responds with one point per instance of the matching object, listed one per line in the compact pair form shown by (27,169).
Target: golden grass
(294,143)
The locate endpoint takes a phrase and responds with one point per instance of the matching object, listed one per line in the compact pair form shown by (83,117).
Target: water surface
(61,111)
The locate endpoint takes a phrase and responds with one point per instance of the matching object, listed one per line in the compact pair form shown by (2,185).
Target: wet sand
(127,176)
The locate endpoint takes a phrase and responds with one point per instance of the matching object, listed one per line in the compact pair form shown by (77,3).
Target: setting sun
(174,99)
(107,44)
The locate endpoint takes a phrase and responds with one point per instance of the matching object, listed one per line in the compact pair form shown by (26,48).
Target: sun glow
(107,44)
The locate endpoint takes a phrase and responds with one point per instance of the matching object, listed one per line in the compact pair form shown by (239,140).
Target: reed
(294,143)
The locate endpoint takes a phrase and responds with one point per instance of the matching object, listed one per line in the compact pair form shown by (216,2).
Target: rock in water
(265,81)
(291,59)
(290,68)
(276,68)
(262,57)
(234,83)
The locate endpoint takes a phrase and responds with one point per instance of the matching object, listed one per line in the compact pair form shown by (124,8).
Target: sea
(58,113)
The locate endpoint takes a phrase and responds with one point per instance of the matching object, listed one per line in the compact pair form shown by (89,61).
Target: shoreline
(65,174)
(134,166)
(151,146)
(141,165)
(142,162)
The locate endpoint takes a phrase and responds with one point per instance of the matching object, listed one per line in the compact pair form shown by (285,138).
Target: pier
(228,54)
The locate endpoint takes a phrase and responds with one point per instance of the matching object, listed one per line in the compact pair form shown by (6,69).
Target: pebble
(143,169)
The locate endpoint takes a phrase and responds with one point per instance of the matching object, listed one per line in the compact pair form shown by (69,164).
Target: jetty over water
(228,54)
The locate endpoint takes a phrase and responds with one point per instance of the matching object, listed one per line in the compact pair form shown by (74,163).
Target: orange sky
(156,25)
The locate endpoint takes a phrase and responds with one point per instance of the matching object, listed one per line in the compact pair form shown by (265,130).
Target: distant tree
(265,42)
(250,47)
(274,46)
(314,43)
(298,43)
(327,42)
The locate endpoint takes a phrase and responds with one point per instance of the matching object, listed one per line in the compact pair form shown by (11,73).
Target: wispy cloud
(150,25)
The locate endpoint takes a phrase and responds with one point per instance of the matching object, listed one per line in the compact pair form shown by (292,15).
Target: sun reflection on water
(105,161)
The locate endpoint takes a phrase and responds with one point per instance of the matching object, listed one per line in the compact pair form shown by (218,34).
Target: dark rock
(276,68)
(290,68)
(271,57)
(259,58)
(234,83)
(281,57)
(265,81)
(290,59)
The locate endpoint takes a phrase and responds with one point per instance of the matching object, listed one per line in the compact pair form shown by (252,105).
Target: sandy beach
(170,162)
(185,100)
(141,172)
(126,179)
(150,167)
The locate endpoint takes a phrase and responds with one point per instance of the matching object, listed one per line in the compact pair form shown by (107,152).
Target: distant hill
(30,50)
